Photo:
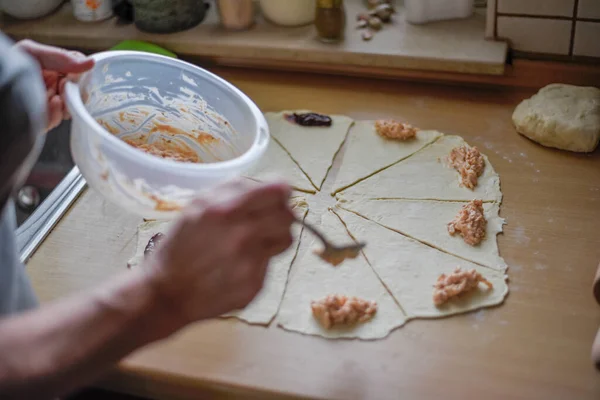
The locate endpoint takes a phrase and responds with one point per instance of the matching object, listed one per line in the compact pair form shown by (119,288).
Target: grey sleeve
(22,116)
(22,122)
(16,293)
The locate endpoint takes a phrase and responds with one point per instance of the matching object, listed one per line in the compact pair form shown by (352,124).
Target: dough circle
(562,116)
(397,196)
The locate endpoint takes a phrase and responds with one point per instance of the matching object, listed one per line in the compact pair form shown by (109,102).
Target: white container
(423,11)
(132,94)
(29,9)
(289,12)
(92,10)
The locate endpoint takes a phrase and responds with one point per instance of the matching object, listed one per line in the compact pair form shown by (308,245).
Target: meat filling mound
(338,310)
(395,130)
(469,162)
(470,223)
(457,283)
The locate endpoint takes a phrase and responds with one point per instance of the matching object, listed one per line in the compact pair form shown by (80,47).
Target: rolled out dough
(312,148)
(409,269)
(426,175)
(562,116)
(368,153)
(426,221)
(265,305)
(399,198)
(277,163)
(313,279)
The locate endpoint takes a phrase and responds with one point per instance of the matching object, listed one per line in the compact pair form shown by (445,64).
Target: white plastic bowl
(132,93)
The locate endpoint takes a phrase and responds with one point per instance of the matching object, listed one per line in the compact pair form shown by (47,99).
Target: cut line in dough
(426,222)
(368,153)
(277,163)
(314,279)
(426,175)
(409,269)
(313,149)
(265,305)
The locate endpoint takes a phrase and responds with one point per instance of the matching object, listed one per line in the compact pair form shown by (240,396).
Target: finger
(254,273)
(278,244)
(261,273)
(55,115)
(64,79)
(50,78)
(61,85)
(271,233)
(56,59)
(274,247)
(61,92)
(66,113)
(261,198)
(50,93)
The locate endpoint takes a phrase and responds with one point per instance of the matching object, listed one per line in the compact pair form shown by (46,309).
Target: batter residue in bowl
(172,143)
(168,149)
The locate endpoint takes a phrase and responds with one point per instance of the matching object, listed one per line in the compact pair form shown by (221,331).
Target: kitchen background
(547,29)
(553,29)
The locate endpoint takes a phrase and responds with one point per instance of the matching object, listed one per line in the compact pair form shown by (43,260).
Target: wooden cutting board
(536,345)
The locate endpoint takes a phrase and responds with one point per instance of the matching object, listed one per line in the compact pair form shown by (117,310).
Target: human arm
(213,261)
(59,347)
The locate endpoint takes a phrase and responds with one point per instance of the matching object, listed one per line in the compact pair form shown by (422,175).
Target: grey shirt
(15,291)
(22,121)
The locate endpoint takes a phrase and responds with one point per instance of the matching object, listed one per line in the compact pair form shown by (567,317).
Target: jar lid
(329,3)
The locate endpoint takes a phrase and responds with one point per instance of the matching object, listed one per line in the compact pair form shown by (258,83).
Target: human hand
(58,65)
(215,257)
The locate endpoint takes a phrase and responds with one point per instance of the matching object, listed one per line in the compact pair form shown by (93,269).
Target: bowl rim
(258,147)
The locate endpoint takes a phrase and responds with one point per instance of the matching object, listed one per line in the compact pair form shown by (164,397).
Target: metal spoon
(333,254)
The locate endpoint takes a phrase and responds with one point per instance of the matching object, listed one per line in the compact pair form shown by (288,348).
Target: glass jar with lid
(330,20)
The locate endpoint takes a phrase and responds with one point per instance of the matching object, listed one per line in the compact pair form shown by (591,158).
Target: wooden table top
(536,345)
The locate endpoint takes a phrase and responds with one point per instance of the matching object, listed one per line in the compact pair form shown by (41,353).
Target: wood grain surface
(536,345)
(456,46)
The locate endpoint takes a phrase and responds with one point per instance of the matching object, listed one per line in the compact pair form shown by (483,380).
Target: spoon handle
(314,231)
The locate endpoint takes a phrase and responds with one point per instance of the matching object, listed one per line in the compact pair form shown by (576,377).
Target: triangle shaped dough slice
(367,153)
(409,269)
(427,220)
(313,279)
(426,175)
(265,305)
(312,148)
(278,163)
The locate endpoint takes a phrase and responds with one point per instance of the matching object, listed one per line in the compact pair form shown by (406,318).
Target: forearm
(52,350)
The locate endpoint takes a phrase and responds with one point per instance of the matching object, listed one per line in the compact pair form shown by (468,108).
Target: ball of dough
(562,116)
